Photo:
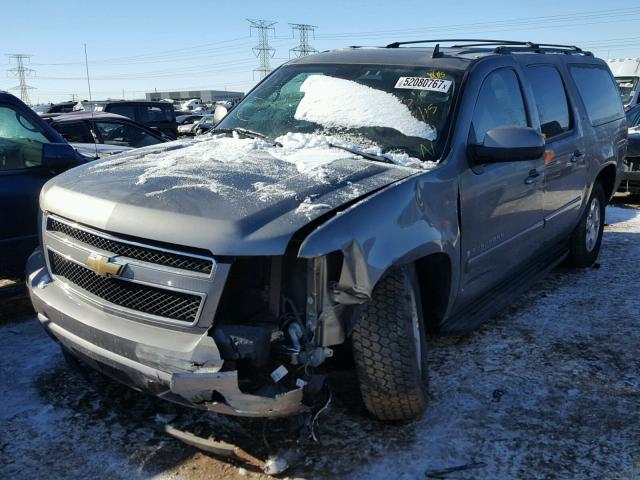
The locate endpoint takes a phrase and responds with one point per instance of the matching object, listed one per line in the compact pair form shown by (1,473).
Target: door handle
(533,177)
(576,156)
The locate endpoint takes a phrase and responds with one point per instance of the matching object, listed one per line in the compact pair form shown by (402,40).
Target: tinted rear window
(156,113)
(599,93)
(128,111)
(551,99)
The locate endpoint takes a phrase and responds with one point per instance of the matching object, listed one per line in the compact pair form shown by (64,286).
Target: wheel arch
(434,276)
(607,178)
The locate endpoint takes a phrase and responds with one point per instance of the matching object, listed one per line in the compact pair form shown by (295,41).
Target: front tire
(586,239)
(389,349)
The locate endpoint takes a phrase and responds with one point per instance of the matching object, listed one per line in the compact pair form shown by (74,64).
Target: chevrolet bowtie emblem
(102,265)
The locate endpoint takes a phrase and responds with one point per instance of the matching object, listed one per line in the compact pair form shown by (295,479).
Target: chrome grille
(142,298)
(136,252)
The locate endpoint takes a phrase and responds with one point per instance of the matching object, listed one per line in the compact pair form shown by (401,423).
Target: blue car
(31,152)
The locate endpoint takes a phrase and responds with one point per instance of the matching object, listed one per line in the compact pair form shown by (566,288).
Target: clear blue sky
(185,44)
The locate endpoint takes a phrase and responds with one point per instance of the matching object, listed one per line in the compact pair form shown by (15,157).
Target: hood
(228,195)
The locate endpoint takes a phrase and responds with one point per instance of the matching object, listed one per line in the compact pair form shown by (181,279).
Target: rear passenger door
(501,203)
(565,167)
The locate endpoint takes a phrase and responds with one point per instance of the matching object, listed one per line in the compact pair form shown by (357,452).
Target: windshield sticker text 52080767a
(422,83)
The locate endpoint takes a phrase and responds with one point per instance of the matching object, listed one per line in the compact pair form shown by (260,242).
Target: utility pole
(303,49)
(263,51)
(22,73)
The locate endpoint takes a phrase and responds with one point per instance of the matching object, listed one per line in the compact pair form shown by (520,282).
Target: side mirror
(509,144)
(59,156)
(219,113)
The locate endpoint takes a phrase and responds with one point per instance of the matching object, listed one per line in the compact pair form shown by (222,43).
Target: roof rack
(502,46)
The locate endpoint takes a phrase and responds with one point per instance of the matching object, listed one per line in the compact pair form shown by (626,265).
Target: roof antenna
(86,64)
(436,51)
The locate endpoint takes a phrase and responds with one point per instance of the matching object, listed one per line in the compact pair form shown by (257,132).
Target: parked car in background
(354,200)
(205,125)
(157,115)
(63,107)
(31,152)
(626,71)
(186,124)
(97,134)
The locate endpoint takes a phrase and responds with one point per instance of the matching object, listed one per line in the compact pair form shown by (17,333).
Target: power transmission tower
(263,51)
(303,49)
(22,73)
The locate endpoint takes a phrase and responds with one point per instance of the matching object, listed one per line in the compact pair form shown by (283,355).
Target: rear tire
(389,349)
(585,241)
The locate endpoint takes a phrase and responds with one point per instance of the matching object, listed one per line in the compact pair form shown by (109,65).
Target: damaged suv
(352,202)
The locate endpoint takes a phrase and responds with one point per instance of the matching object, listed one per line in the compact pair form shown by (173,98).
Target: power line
(21,72)
(263,51)
(303,48)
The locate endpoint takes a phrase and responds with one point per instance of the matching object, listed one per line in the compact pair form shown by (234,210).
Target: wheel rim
(417,339)
(593,225)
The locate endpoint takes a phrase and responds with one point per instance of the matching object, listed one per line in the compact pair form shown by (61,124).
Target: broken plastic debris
(279,373)
(277,464)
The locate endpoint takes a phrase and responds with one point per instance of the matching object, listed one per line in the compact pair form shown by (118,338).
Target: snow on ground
(548,389)
(336,102)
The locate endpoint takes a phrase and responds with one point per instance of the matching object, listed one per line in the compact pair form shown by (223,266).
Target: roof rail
(486,42)
(502,46)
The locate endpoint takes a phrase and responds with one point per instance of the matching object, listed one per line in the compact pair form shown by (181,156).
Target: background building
(204,95)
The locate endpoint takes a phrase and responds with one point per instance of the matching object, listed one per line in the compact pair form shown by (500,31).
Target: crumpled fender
(399,224)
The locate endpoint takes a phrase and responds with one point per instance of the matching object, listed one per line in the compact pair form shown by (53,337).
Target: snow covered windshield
(394,108)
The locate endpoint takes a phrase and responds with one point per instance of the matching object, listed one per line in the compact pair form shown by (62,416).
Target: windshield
(394,108)
(628,87)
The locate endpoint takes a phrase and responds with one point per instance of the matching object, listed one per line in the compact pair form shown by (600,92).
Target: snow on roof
(336,102)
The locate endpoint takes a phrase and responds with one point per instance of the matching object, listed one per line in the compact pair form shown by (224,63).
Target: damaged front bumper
(181,365)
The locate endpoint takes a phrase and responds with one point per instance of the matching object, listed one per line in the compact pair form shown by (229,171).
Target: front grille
(142,298)
(146,254)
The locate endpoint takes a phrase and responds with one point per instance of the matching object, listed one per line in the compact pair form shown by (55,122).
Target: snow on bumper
(139,355)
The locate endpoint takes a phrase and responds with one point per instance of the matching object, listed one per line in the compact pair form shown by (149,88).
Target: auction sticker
(423,83)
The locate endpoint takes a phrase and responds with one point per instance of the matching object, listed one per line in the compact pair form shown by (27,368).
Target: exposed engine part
(245,342)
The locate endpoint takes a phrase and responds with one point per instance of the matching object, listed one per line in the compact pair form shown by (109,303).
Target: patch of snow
(619,216)
(202,163)
(308,151)
(336,102)
(307,207)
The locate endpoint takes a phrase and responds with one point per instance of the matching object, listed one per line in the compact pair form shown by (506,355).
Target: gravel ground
(550,388)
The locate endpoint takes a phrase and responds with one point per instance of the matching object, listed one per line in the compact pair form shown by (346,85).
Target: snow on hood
(336,102)
(191,166)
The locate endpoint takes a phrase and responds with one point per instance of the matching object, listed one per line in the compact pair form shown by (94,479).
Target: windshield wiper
(241,131)
(246,133)
(368,156)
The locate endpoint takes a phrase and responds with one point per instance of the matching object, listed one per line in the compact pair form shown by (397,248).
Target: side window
(20,141)
(499,104)
(551,99)
(599,93)
(124,135)
(74,132)
(152,113)
(128,111)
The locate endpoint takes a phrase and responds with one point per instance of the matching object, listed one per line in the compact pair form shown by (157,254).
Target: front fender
(401,223)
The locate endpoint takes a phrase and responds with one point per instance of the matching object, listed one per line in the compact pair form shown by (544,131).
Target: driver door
(501,203)
(21,178)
